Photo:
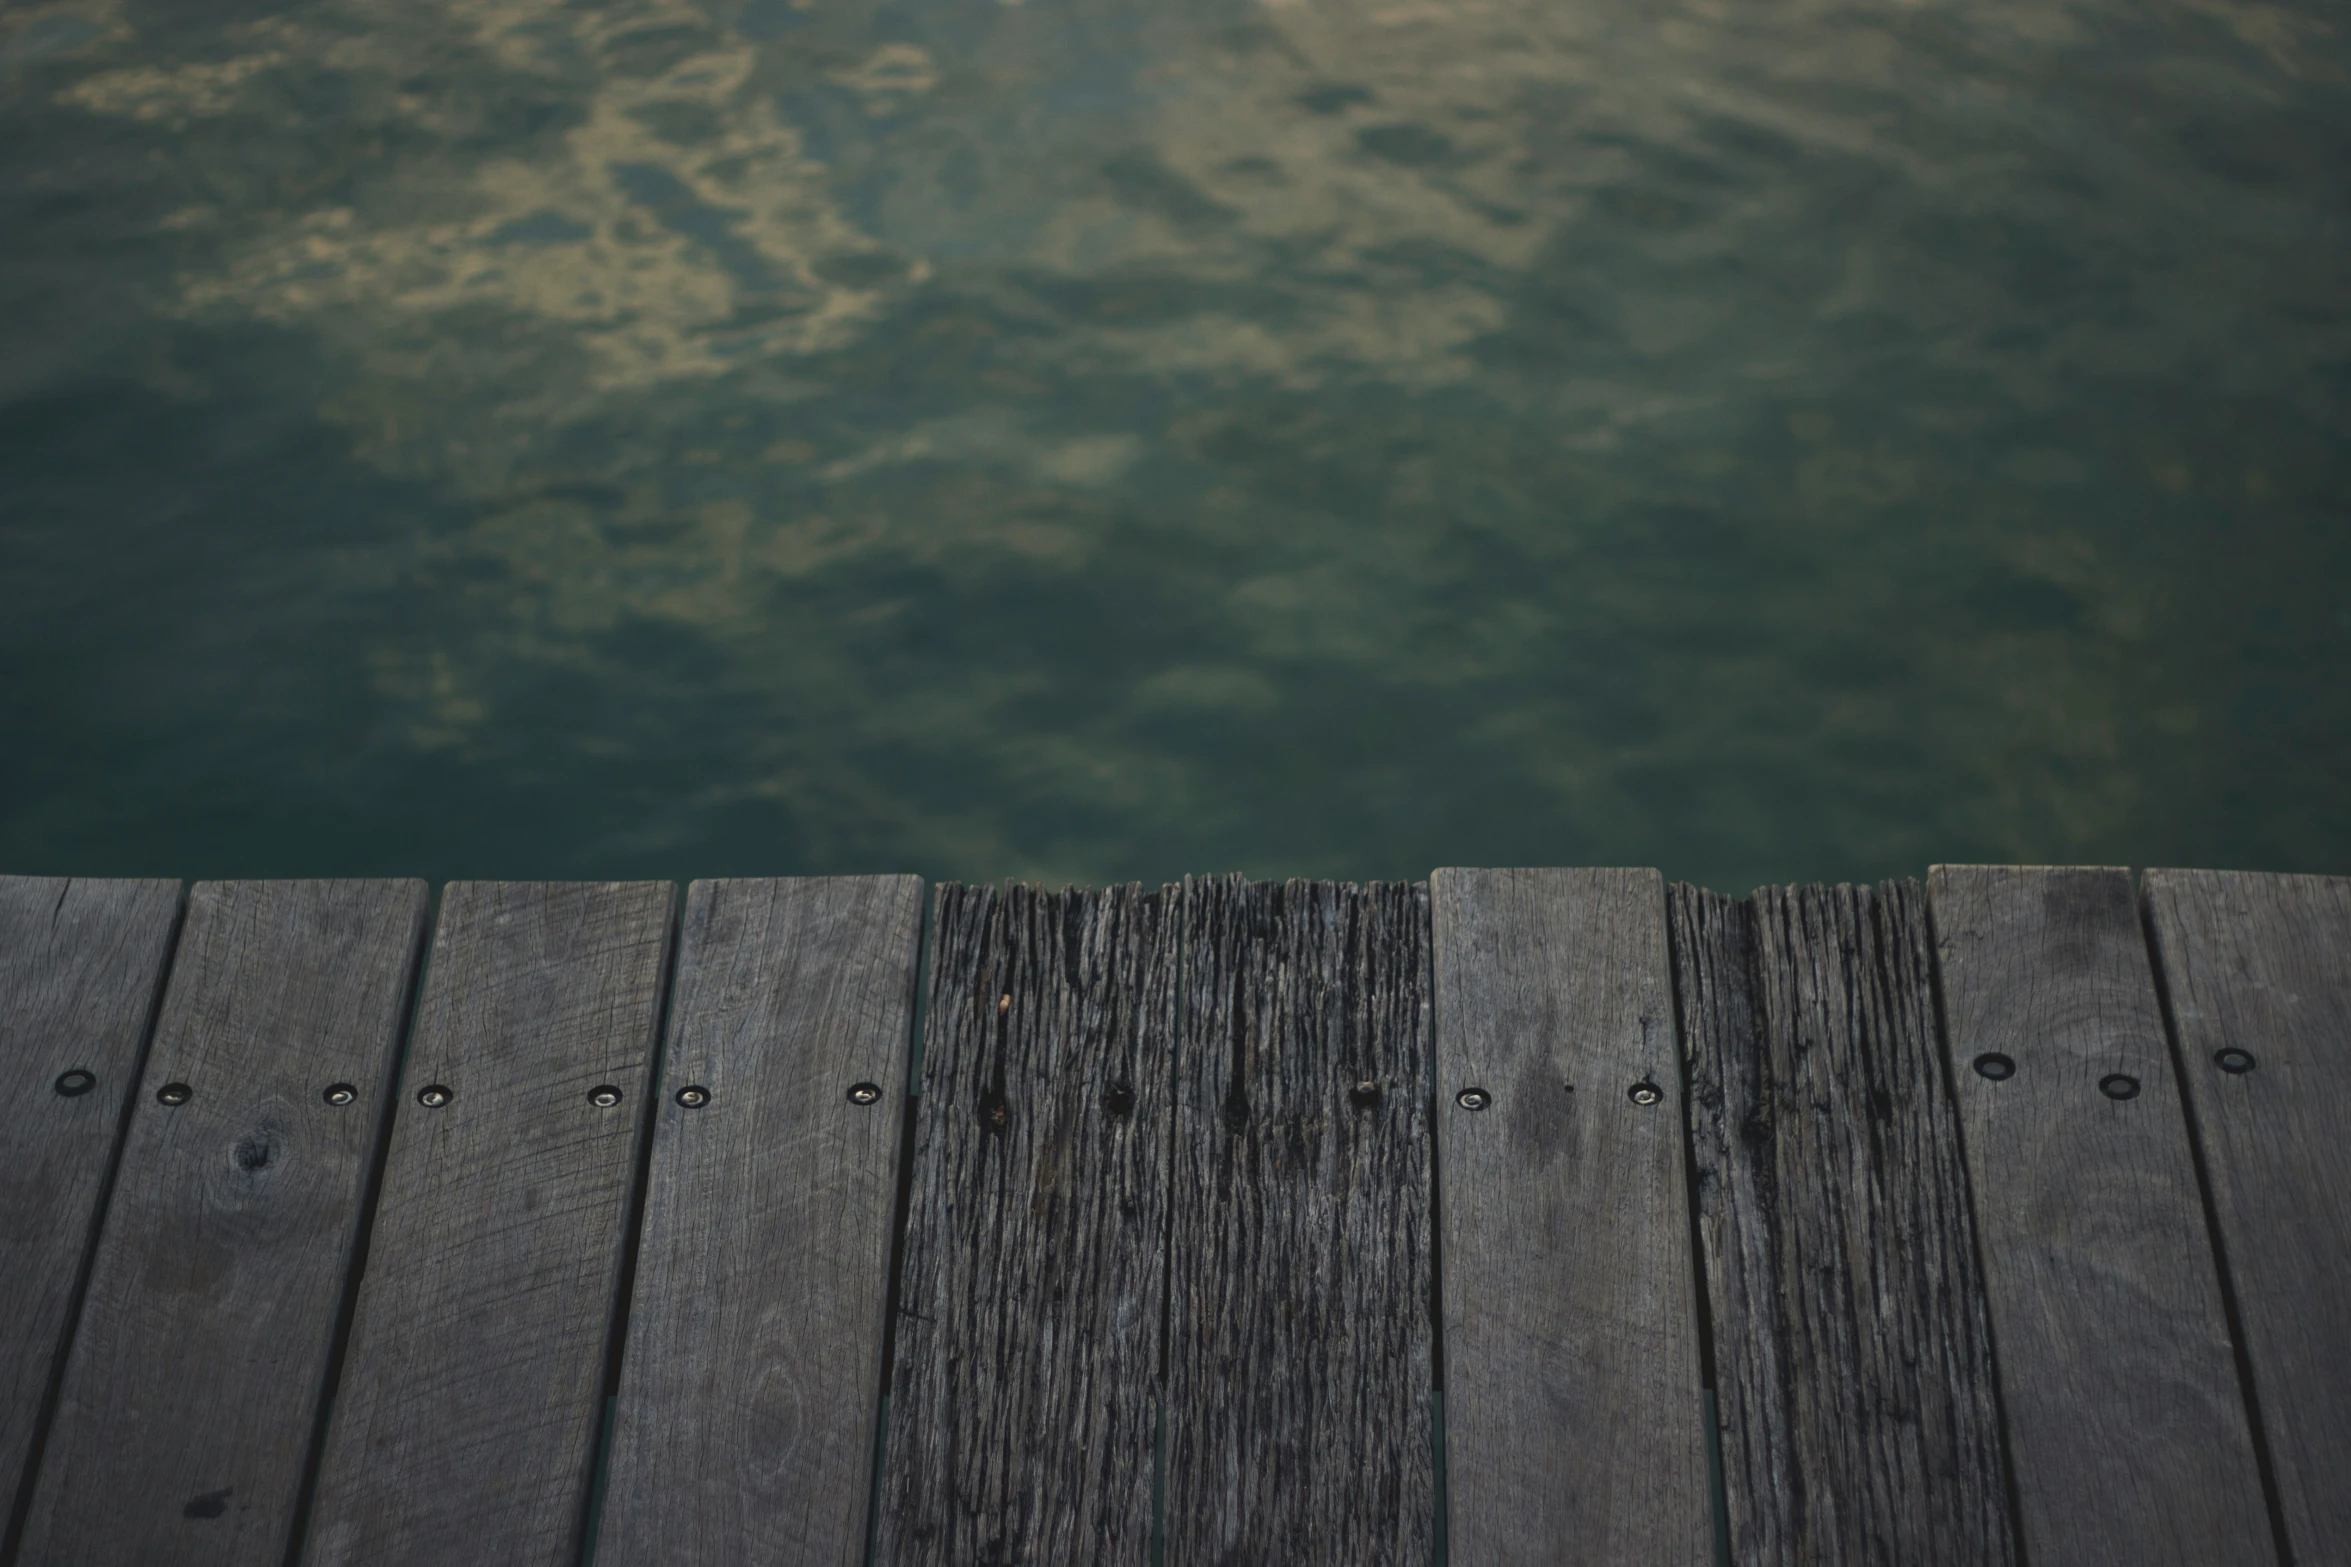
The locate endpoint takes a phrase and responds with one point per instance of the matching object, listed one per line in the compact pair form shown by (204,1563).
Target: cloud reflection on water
(1096,438)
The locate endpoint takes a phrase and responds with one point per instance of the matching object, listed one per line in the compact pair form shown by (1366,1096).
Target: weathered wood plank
(2126,1422)
(1853,1360)
(466,1421)
(1024,1391)
(1299,1356)
(191,1393)
(744,1430)
(2259,974)
(81,966)
(1573,1416)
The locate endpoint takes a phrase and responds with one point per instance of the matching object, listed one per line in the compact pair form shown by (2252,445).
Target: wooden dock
(1519,1216)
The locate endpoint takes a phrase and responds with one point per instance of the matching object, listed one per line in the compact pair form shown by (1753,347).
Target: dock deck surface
(1518,1216)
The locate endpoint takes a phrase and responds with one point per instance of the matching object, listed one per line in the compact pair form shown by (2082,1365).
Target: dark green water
(1096,439)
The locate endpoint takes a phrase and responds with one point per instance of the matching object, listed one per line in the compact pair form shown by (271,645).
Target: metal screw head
(434,1095)
(1473,1099)
(2118,1085)
(864,1093)
(604,1096)
(174,1094)
(2233,1060)
(1644,1092)
(693,1096)
(340,1094)
(75,1083)
(1994,1065)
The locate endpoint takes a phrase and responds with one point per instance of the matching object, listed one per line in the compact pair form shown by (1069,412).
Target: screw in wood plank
(693,1096)
(434,1095)
(1364,1095)
(1644,1092)
(2117,1085)
(75,1083)
(340,1094)
(174,1094)
(864,1093)
(1994,1065)
(1473,1099)
(604,1096)
(2233,1060)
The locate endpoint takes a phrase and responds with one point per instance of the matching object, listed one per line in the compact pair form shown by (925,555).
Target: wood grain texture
(465,1425)
(1853,1360)
(1024,1392)
(2126,1422)
(81,966)
(749,1388)
(190,1397)
(1574,1419)
(1299,1353)
(2262,964)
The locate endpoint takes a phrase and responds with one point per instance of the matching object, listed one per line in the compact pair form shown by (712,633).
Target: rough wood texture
(1299,1369)
(1024,1391)
(1574,1416)
(744,1430)
(81,963)
(2126,1423)
(2262,964)
(191,1392)
(465,1427)
(1853,1362)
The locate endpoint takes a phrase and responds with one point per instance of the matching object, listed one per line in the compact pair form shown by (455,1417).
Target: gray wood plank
(1024,1389)
(1574,1423)
(2262,965)
(471,1394)
(81,966)
(2126,1421)
(1853,1359)
(744,1430)
(1300,1276)
(191,1393)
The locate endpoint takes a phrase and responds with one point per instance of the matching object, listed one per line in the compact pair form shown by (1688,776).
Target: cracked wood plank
(1853,1358)
(1025,1389)
(1300,1274)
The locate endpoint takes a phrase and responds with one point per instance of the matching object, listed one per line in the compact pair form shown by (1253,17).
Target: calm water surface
(1090,439)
